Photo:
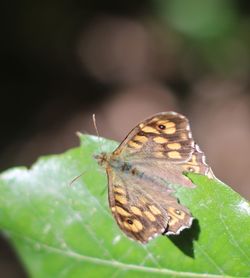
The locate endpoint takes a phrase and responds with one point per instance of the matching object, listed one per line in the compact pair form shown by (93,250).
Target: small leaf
(63,230)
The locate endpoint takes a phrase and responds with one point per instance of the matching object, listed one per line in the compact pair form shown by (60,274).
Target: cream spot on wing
(119,190)
(160,140)
(134,145)
(176,213)
(121,199)
(163,123)
(174,146)
(141,138)
(172,220)
(135,226)
(171,130)
(122,211)
(183,136)
(150,129)
(149,215)
(174,155)
(170,124)
(136,210)
(154,210)
(138,224)
(192,165)
(127,226)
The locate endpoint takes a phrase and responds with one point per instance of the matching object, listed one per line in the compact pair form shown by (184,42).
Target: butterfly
(153,155)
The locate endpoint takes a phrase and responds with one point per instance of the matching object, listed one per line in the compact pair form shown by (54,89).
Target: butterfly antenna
(95,125)
(76,178)
(97,132)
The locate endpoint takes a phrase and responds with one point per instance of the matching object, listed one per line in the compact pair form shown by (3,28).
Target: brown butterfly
(154,154)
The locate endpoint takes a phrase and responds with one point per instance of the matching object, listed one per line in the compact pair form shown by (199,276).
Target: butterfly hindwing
(197,163)
(144,209)
(140,218)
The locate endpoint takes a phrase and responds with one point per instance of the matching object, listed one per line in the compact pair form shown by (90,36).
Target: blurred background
(62,61)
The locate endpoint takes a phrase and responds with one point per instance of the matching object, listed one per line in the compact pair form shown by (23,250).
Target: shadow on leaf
(185,241)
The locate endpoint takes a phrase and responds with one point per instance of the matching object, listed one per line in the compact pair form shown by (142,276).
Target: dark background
(123,60)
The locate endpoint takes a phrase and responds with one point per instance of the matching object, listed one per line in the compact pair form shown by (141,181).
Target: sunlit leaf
(63,230)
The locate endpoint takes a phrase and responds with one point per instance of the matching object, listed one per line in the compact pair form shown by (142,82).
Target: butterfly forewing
(165,142)
(165,136)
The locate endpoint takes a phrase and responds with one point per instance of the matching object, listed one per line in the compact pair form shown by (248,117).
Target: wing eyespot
(161,127)
(129,221)
(191,169)
(177,212)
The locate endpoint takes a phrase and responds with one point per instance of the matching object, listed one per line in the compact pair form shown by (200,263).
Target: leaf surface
(63,230)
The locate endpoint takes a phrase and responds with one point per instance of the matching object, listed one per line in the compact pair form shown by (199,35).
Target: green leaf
(63,230)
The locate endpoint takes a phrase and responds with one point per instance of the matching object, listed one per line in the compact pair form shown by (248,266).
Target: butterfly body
(153,155)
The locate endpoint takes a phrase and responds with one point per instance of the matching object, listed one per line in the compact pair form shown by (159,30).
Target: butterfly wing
(165,141)
(144,208)
(169,131)
(155,153)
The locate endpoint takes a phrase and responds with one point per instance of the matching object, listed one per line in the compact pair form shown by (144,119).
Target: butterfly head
(102,158)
